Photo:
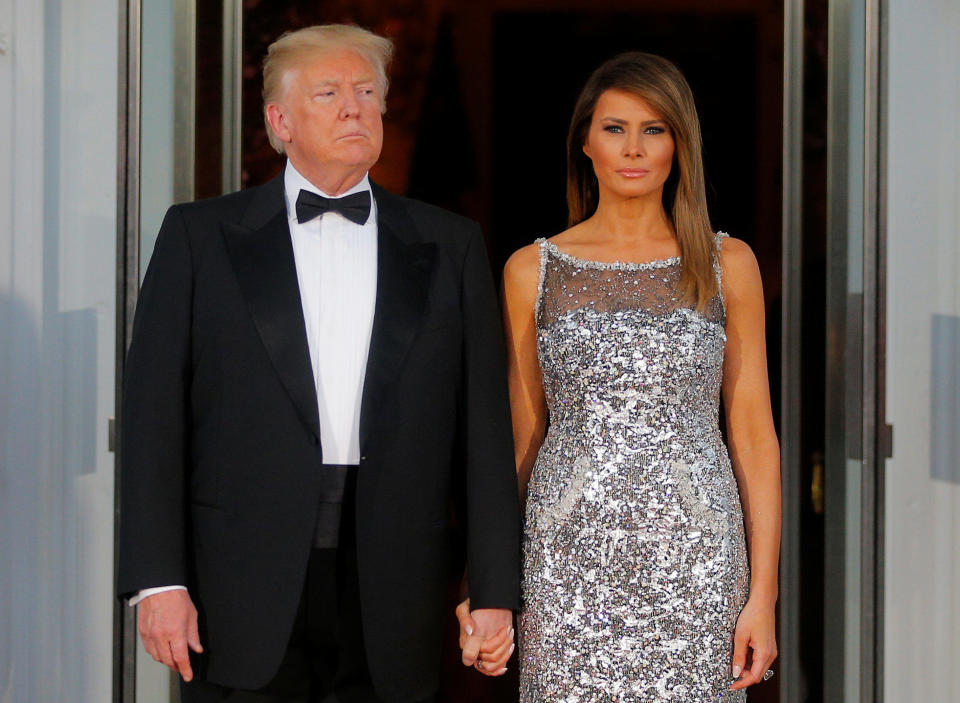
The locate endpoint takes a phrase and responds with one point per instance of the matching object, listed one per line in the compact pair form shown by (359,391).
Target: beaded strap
(538,308)
(718,244)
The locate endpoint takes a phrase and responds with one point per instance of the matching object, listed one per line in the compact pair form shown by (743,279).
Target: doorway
(482,91)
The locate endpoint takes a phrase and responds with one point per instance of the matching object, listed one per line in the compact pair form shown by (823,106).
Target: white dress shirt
(336,262)
(337,272)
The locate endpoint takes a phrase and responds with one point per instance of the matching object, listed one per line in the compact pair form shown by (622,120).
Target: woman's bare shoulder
(741,272)
(737,256)
(521,273)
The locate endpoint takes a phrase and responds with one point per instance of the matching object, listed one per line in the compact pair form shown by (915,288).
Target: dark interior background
(480,98)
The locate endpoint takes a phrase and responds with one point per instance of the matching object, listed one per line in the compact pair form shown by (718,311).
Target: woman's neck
(625,219)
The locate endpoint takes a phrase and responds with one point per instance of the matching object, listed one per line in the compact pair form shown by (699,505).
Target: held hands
(168,625)
(486,638)
(755,632)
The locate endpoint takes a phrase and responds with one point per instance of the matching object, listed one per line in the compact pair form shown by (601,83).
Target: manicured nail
(511,633)
(469,629)
(736,671)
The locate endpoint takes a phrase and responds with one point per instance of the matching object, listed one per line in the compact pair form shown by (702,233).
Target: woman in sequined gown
(644,579)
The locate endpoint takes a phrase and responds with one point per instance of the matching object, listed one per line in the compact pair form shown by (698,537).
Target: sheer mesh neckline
(568,283)
(615,265)
(609,265)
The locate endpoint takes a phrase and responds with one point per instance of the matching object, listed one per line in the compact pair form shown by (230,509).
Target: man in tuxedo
(315,383)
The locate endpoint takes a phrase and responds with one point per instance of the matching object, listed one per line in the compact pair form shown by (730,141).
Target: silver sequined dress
(635,566)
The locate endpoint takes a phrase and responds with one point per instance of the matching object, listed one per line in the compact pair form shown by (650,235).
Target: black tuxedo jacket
(221,448)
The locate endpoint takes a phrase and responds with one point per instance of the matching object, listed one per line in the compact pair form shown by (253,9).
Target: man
(315,377)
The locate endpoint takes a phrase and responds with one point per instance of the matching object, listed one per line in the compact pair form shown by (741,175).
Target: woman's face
(630,145)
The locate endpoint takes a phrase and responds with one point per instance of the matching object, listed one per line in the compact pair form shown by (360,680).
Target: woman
(623,334)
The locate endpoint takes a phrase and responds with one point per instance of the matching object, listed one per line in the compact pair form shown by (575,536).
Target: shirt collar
(294,182)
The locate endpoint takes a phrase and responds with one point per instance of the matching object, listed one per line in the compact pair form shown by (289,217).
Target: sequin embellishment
(635,566)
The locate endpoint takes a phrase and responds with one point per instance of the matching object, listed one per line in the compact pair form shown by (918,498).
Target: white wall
(922,567)
(58,134)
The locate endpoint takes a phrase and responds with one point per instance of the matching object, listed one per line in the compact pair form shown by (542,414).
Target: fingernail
(736,671)
(511,633)
(469,629)
(512,647)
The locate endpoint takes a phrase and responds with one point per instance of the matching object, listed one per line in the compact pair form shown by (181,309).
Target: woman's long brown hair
(660,84)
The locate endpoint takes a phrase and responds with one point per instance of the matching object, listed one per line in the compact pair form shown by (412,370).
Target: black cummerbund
(338,485)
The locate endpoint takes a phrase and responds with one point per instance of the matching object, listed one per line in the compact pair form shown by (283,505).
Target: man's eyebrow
(333,81)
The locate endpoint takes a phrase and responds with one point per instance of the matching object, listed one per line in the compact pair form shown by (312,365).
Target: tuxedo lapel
(404,268)
(261,253)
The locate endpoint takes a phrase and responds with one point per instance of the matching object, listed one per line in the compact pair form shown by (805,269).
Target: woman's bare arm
(528,408)
(754,451)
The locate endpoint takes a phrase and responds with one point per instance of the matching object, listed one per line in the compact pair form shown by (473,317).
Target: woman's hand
(755,636)
(493,653)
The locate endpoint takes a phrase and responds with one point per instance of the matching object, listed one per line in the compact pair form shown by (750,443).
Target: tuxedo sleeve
(154,445)
(493,529)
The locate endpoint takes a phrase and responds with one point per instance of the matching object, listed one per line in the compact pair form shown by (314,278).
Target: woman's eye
(613,129)
(655,130)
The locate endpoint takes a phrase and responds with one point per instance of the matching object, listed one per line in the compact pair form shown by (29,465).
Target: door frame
(874,434)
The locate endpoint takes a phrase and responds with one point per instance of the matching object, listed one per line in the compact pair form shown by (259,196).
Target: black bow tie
(355,207)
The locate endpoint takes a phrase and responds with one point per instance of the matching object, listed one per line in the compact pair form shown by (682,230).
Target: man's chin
(357,161)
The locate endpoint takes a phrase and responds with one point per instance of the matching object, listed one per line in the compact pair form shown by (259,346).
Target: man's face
(329,116)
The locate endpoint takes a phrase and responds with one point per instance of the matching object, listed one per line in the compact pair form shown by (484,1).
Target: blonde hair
(662,86)
(287,52)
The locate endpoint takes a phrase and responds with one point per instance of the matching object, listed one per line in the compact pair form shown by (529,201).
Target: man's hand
(486,638)
(168,625)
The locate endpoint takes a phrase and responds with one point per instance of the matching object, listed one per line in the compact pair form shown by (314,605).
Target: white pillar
(922,551)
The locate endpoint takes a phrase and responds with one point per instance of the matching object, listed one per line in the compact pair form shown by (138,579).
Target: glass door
(158,171)
(856,440)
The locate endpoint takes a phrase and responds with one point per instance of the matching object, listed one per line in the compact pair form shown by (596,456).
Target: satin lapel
(263,262)
(404,268)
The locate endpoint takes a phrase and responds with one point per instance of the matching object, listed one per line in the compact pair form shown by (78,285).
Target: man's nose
(350,107)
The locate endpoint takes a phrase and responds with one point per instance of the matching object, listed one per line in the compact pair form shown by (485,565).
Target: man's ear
(278,123)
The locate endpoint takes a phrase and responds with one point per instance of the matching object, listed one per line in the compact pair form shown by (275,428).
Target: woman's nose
(634,146)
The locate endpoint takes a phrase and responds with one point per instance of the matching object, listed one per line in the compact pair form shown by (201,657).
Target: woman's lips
(632,172)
